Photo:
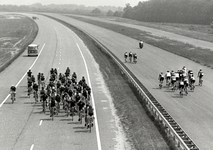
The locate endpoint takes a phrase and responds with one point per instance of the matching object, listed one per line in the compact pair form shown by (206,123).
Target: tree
(118,14)
(110,13)
(96,11)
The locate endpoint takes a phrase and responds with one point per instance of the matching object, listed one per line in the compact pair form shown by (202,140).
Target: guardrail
(172,129)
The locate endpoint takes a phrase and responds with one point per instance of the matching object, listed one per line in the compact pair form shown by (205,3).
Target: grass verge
(142,131)
(196,54)
(17,32)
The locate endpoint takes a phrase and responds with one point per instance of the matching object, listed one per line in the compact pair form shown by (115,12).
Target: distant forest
(170,11)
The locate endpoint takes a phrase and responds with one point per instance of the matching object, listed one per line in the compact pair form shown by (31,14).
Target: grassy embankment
(17,31)
(199,55)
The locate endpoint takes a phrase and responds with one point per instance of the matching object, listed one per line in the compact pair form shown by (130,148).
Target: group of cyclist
(62,89)
(132,57)
(181,79)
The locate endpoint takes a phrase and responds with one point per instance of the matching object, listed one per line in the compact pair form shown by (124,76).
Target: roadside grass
(140,127)
(201,32)
(196,54)
(16,32)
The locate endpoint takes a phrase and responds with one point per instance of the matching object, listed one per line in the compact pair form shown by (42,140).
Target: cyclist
(200,76)
(39,79)
(181,87)
(125,56)
(141,44)
(29,73)
(13,92)
(42,80)
(192,82)
(186,84)
(52,107)
(168,77)
(135,57)
(29,87)
(173,80)
(130,56)
(161,78)
(81,106)
(35,91)
(90,112)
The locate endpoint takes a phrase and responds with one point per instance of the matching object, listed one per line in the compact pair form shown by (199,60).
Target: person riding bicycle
(186,84)
(90,113)
(200,74)
(13,91)
(125,56)
(52,106)
(29,87)
(81,105)
(181,85)
(141,44)
(29,73)
(135,57)
(161,78)
(35,89)
(168,77)
(130,56)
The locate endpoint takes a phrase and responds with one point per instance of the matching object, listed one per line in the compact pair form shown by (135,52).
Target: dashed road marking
(104,101)
(105,108)
(40,122)
(32,146)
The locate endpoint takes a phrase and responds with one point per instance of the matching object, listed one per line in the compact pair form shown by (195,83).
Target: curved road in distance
(24,126)
(193,112)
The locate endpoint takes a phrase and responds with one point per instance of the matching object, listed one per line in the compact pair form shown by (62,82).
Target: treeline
(66,8)
(172,11)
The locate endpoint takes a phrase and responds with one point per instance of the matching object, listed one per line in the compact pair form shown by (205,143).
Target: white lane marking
(40,122)
(93,102)
(32,146)
(24,75)
(105,107)
(104,101)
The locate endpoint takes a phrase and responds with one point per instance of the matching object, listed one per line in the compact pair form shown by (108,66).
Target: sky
(117,3)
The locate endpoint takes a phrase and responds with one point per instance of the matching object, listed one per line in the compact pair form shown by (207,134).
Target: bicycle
(44,103)
(52,112)
(161,84)
(12,94)
(200,81)
(192,87)
(72,112)
(181,92)
(35,96)
(29,90)
(90,122)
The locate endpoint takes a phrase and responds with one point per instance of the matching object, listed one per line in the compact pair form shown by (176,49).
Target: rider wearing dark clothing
(35,87)
(29,73)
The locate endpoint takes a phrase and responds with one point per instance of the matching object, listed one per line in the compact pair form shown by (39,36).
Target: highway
(23,125)
(192,112)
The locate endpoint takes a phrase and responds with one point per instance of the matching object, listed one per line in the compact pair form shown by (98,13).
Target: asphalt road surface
(192,112)
(24,126)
